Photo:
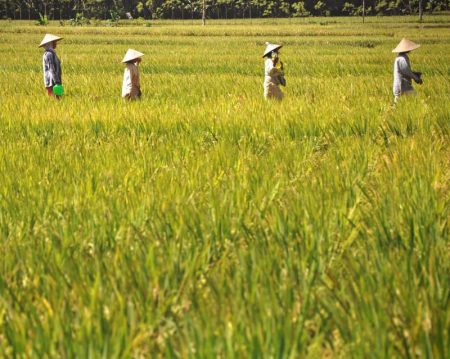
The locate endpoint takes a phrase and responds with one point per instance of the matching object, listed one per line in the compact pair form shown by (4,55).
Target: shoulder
(403,63)
(133,68)
(128,69)
(400,59)
(48,55)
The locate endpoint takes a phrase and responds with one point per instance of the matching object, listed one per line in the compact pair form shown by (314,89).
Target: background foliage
(180,9)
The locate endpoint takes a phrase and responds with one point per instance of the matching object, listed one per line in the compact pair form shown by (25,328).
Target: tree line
(214,9)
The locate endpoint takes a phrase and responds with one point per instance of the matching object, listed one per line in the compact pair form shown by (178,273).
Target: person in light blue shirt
(403,75)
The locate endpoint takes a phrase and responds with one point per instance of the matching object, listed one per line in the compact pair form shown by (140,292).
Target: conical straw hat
(271,47)
(132,55)
(49,38)
(405,45)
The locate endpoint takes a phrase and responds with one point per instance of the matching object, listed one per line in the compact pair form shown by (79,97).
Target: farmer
(402,70)
(273,72)
(51,63)
(131,88)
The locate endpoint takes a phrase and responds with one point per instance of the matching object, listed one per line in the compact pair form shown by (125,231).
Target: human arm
(126,84)
(419,75)
(405,70)
(272,69)
(49,70)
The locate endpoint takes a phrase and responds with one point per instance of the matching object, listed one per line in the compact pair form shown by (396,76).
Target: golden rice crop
(203,221)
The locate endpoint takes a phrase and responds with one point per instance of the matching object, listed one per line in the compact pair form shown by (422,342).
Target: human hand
(419,77)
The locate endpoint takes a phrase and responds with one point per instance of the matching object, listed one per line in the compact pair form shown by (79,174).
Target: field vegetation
(83,10)
(203,221)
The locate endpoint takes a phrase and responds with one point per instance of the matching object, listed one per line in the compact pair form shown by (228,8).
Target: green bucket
(58,90)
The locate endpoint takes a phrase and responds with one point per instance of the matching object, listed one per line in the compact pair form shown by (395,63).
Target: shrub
(115,17)
(79,20)
(42,20)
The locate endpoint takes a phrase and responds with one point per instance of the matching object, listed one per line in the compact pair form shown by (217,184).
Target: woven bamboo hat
(49,38)
(271,47)
(406,45)
(132,55)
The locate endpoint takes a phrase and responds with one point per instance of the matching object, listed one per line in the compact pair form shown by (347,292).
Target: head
(271,50)
(272,54)
(50,45)
(405,46)
(134,61)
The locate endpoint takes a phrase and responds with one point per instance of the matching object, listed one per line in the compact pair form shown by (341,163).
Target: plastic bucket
(58,90)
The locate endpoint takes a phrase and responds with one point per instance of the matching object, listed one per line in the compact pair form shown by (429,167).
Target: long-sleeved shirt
(403,75)
(52,68)
(271,73)
(272,80)
(131,86)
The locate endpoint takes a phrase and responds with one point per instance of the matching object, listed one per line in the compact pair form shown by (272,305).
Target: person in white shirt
(131,87)
(273,72)
(403,75)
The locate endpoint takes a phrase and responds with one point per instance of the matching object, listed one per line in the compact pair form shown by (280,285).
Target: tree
(381,6)
(30,5)
(420,10)
(216,8)
(242,6)
(300,10)
(18,8)
(63,4)
(363,10)
(320,8)
(270,8)
(193,6)
(348,8)
(45,4)
(203,12)
(285,8)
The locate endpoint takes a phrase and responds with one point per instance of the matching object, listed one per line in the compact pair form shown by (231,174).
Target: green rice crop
(203,221)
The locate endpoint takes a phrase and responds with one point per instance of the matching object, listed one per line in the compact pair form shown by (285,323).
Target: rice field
(205,222)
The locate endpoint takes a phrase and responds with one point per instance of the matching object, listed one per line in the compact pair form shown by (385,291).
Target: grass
(205,222)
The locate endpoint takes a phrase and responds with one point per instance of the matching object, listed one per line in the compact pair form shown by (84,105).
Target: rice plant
(203,221)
